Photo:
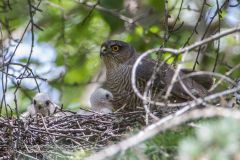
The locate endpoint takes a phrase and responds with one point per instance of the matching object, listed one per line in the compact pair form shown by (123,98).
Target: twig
(112,12)
(161,126)
(176,52)
(174,78)
(223,78)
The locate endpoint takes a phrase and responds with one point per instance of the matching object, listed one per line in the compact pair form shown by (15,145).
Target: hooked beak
(104,51)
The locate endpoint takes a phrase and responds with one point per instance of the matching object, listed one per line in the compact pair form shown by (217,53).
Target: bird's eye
(34,102)
(115,48)
(107,96)
(47,103)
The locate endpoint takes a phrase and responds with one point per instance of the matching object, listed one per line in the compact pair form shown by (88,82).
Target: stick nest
(41,135)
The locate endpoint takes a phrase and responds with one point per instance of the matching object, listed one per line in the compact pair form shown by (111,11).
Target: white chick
(100,102)
(41,104)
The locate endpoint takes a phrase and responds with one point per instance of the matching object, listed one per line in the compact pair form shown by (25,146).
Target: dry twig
(160,126)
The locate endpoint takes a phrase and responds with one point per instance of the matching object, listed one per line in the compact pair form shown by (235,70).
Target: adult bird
(119,58)
(41,104)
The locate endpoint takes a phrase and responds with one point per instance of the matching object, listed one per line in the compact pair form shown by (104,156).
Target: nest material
(42,134)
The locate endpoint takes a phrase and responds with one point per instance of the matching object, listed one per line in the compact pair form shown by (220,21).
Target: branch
(175,52)
(110,11)
(161,126)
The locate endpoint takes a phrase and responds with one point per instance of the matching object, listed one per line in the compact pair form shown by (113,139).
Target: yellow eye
(115,48)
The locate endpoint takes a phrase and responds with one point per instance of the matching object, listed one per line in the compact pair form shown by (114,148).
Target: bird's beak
(39,106)
(103,51)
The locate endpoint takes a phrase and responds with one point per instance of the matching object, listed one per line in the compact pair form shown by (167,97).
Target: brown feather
(205,80)
(119,67)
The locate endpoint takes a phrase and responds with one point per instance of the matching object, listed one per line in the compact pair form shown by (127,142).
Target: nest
(41,135)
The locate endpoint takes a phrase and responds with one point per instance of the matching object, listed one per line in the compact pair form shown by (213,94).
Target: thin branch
(112,12)
(175,52)
(218,41)
(174,78)
(222,78)
(196,25)
(161,126)
(206,31)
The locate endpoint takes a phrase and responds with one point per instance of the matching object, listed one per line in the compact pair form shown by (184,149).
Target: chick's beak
(39,106)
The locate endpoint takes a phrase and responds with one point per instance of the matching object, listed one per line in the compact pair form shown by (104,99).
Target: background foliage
(75,30)
(66,36)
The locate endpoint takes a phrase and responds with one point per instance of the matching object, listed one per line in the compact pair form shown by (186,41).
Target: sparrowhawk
(119,58)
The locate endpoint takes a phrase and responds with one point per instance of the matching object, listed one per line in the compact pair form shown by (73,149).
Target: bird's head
(41,101)
(101,98)
(115,53)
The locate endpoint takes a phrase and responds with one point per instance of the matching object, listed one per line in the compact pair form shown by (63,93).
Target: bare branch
(176,52)
(161,126)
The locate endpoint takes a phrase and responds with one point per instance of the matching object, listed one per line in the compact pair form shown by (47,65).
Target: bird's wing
(53,108)
(105,110)
(30,112)
(164,77)
(205,80)
(25,115)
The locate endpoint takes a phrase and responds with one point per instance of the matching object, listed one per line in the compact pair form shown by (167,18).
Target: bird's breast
(118,79)
(119,83)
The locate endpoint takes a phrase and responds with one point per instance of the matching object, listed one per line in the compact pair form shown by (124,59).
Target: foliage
(161,147)
(74,31)
(216,140)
